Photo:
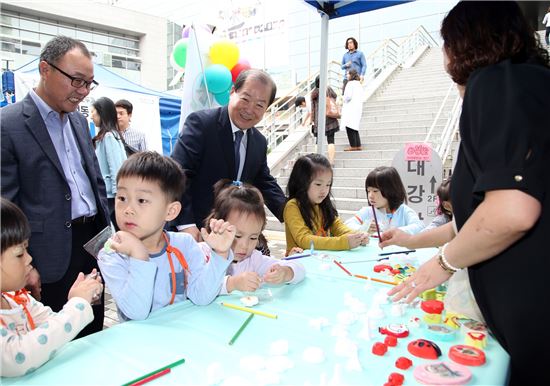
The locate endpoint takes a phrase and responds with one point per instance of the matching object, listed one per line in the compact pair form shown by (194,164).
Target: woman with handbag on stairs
(331,120)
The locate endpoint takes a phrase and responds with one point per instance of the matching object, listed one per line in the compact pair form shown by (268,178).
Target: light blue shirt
(110,155)
(358,62)
(141,287)
(61,133)
(403,218)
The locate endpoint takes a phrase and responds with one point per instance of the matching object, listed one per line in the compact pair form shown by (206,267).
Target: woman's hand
(428,276)
(394,236)
(220,237)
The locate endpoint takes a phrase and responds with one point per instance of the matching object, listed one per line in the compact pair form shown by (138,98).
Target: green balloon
(179,53)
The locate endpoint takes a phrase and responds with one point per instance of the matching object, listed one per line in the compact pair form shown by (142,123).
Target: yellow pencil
(250,310)
(375,279)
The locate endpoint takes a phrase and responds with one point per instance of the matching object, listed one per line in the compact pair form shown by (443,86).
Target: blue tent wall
(169,105)
(170,112)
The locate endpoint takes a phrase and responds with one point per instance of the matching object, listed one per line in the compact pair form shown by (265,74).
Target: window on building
(67,31)
(30,48)
(119,62)
(9,20)
(9,31)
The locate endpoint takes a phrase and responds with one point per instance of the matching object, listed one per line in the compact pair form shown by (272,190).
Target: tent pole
(323,72)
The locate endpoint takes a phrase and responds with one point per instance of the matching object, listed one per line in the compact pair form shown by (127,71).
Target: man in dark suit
(223,143)
(50,170)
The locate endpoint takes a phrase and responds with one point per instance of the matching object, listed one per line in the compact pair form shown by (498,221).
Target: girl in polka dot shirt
(30,332)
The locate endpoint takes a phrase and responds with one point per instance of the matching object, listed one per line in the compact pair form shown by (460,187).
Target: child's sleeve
(23,353)
(437,222)
(205,280)
(360,220)
(303,235)
(414,224)
(338,228)
(131,282)
(261,264)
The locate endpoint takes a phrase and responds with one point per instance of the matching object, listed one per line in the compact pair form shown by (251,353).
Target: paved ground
(277,245)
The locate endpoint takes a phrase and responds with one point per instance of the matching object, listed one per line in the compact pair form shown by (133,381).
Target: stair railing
(418,38)
(450,131)
(436,119)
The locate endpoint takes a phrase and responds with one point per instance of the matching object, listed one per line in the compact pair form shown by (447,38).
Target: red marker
(343,269)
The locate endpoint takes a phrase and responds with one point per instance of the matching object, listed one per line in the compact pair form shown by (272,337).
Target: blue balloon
(218,78)
(222,98)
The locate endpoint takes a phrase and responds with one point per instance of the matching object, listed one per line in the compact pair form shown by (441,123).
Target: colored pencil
(250,310)
(343,269)
(170,366)
(364,261)
(299,256)
(151,377)
(375,279)
(407,251)
(376,222)
(240,330)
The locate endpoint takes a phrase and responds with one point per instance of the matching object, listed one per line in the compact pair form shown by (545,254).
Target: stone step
(406,99)
(351,182)
(366,166)
(373,107)
(399,117)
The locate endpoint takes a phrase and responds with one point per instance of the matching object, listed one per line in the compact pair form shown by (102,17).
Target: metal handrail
(429,134)
(450,130)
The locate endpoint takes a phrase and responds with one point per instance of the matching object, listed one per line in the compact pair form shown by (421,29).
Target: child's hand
(278,274)
(246,281)
(221,236)
(354,240)
(365,238)
(294,251)
(127,244)
(87,288)
(372,228)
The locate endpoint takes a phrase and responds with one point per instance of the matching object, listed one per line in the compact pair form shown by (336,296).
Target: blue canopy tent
(169,105)
(332,10)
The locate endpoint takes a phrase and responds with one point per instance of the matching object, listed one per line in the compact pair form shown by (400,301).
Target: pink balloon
(242,65)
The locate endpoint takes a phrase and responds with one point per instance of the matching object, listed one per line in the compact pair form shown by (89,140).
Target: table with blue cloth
(201,335)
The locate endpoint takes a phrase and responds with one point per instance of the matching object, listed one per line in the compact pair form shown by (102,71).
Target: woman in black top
(501,182)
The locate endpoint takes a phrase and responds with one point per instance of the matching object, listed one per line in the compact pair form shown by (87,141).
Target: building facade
(130,43)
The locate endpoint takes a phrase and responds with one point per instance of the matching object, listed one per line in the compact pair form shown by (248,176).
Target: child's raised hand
(86,287)
(127,244)
(278,274)
(220,237)
(246,281)
(354,240)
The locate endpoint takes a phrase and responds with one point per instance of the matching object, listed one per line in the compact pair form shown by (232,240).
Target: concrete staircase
(402,110)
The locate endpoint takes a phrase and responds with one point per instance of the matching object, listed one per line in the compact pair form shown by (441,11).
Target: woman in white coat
(352,110)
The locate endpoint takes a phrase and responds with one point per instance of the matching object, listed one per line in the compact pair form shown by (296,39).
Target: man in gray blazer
(50,170)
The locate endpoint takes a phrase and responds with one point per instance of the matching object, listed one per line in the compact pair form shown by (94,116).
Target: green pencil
(170,366)
(241,329)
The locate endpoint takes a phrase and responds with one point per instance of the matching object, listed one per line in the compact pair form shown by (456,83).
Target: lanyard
(183,263)
(21,297)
